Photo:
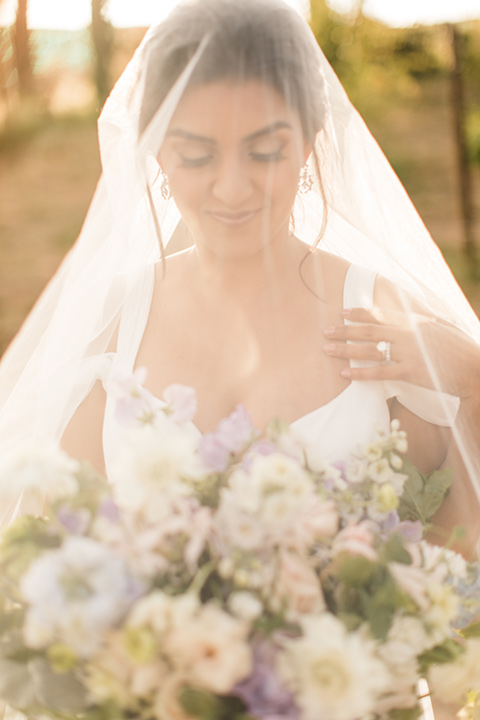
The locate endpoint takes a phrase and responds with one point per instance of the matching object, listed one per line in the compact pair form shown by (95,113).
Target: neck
(267,276)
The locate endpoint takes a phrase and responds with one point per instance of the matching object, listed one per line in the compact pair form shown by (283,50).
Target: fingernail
(346,311)
(329,332)
(346,373)
(329,348)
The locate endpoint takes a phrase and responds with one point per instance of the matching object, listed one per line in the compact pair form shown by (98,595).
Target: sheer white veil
(358,211)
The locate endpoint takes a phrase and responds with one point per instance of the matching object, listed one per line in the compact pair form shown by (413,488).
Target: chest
(271,361)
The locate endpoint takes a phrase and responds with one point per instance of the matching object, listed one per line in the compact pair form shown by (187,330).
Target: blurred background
(412,68)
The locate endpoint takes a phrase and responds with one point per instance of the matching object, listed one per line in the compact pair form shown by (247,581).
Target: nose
(232,184)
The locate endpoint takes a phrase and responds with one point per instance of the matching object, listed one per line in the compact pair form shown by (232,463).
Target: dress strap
(359,286)
(358,292)
(431,405)
(135,314)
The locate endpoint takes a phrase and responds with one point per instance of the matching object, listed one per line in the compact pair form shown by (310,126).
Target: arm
(83,436)
(456,360)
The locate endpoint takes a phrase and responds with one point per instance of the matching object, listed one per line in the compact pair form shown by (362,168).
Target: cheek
(187,188)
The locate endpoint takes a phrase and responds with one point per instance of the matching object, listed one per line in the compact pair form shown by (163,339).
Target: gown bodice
(348,422)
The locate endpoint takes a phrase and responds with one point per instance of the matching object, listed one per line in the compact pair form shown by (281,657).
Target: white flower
(333,673)
(277,472)
(407,639)
(235,527)
(444,607)
(74,594)
(152,467)
(356,471)
(41,471)
(380,471)
(245,606)
(211,649)
(373,452)
(451,681)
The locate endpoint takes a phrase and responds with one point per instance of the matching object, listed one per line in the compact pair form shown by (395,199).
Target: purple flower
(235,430)
(133,402)
(213,453)
(75,521)
(109,510)
(181,403)
(413,531)
(231,436)
(262,691)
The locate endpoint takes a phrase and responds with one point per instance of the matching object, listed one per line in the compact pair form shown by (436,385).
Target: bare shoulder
(389,296)
(325,273)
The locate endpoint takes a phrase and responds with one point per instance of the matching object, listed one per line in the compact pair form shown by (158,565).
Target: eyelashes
(204,160)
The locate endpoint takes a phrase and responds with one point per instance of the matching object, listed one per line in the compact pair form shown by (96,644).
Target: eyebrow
(273,127)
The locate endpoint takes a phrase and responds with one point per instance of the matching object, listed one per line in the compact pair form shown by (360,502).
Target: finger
(366,332)
(374,372)
(378,315)
(357,351)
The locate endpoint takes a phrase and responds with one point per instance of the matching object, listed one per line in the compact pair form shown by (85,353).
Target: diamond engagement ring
(384,347)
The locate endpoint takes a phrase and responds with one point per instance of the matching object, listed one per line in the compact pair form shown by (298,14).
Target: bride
(249,239)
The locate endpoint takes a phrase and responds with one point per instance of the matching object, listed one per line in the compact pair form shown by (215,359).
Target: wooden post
(22,49)
(464,173)
(103,44)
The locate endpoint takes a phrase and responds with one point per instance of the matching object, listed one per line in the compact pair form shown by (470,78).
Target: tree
(22,47)
(102,38)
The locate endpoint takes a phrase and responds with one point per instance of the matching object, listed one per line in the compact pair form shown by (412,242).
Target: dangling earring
(305,182)
(164,187)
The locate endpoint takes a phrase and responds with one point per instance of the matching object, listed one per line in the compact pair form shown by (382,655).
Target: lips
(234,218)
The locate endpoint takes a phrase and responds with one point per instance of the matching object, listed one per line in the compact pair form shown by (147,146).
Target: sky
(75,14)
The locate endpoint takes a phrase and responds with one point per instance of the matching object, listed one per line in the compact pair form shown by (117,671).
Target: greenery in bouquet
(233,574)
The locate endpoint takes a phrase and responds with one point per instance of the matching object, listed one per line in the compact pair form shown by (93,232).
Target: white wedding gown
(347,422)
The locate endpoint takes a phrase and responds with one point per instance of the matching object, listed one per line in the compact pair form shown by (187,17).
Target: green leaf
(423,494)
(380,619)
(405,713)
(16,687)
(471,631)
(394,551)
(59,692)
(201,704)
(355,570)
(447,652)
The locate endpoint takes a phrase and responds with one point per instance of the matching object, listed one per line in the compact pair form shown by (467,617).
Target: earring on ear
(164,187)
(305,182)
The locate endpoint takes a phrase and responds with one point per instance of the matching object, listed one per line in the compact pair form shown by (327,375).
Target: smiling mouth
(234,219)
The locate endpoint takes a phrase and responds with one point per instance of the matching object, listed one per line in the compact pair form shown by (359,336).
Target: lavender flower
(262,691)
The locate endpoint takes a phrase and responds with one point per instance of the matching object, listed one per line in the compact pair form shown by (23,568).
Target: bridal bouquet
(231,575)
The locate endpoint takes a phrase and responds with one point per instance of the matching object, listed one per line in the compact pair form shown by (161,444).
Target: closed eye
(193,162)
(267,157)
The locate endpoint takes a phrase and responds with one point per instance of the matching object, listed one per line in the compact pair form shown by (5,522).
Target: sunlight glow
(75,14)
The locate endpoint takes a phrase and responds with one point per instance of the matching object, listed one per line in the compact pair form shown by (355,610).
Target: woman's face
(232,154)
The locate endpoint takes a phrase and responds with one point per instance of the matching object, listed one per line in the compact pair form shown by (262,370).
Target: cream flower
(152,467)
(211,649)
(451,681)
(42,471)
(297,588)
(333,673)
(245,606)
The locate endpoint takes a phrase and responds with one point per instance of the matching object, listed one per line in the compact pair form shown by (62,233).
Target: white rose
(297,587)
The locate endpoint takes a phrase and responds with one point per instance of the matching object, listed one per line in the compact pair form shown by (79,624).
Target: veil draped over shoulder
(359,211)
